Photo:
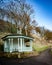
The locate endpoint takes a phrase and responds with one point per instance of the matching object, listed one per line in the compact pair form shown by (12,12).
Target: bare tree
(20,13)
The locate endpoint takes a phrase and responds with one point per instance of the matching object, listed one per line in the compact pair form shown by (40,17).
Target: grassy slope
(40,44)
(40,49)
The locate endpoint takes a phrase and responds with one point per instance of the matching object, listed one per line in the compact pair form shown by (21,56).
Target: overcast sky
(43,12)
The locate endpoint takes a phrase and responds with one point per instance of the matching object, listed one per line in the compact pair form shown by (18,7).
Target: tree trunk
(26,31)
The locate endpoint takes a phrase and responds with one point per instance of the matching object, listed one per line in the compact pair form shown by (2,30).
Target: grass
(40,48)
(51,51)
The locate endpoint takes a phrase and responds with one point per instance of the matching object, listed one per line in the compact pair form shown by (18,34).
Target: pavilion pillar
(9,45)
(31,44)
(5,44)
(18,43)
(21,43)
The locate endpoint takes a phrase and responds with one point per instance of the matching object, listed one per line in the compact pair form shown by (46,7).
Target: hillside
(38,41)
(2,26)
(5,29)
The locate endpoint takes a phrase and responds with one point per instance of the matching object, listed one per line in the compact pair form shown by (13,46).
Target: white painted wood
(5,46)
(9,45)
(31,44)
(21,43)
(19,37)
(18,43)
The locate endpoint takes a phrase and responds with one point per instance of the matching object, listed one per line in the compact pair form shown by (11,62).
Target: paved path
(43,59)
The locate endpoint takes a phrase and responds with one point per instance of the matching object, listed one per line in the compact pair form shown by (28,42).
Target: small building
(17,43)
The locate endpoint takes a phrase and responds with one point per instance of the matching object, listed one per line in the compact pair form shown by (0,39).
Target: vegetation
(40,49)
(17,12)
(47,34)
(16,15)
(7,27)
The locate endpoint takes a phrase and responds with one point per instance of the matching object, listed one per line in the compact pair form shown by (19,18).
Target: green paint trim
(16,36)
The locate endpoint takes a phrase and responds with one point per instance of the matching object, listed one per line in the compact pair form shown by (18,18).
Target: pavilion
(17,43)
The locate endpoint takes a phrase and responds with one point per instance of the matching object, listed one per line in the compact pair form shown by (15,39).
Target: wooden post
(12,44)
(21,43)
(5,46)
(20,30)
(19,55)
(9,45)
(26,31)
(31,44)
(18,43)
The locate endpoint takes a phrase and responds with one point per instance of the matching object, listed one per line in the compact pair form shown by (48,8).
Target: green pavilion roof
(16,36)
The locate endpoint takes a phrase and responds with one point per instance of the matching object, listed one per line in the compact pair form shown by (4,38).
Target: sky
(42,12)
